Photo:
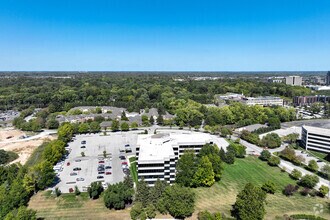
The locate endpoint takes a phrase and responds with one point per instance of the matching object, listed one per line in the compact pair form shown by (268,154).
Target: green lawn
(133,169)
(222,195)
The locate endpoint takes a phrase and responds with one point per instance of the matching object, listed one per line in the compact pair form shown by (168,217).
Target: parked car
(124,166)
(101,161)
(122,157)
(124,162)
(107,167)
(80,179)
(83,147)
(83,142)
(73,174)
(76,169)
(126,145)
(319,161)
(100,177)
(101,172)
(126,170)
(78,160)
(68,163)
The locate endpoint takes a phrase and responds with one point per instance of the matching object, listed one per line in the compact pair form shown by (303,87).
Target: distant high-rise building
(293,80)
(328,79)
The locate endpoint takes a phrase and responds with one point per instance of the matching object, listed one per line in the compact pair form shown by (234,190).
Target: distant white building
(293,80)
(158,154)
(315,138)
(264,100)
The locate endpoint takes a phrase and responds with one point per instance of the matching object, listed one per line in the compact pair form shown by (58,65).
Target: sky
(164,35)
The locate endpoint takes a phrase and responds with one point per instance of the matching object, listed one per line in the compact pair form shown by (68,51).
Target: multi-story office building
(293,80)
(328,78)
(308,100)
(158,154)
(315,138)
(265,101)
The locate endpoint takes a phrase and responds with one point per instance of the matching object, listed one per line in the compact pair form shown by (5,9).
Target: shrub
(309,181)
(271,140)
(305,191)
(312,165)
(289,190)
(323,190)
(274,161)
(304,216)
(295,174)
(269,187)
(265,155)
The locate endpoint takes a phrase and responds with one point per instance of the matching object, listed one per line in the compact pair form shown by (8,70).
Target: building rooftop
(160,146)
(321,131)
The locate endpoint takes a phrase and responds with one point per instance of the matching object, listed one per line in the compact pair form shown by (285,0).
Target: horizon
(171,36)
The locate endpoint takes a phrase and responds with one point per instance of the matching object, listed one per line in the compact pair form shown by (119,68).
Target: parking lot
(100,160)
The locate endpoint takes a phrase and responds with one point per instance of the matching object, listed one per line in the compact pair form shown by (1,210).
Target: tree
(312,165)
(145,120)
(230,157)
(57,192)
(289,190)
(118,195)
(291,138)
(76,191)
(52,123)
(225,132)
(22,213)
(250,203)
(179,201)
(115,125)
(142,193)
(151,120)
(123,116)
(296,174)
(212,152)
(83,128)
(42,174)
(265,155)
(271,140)
(95,190)
(95,127)
(157,191)
(309,181)
(323,190)
(269,187)
(274,161)
(150,211)
(160,120)
(134,125)
(204,175)
(185,168)
(65,132)
(274,123)
(222,154)
(124,126)
(136,211)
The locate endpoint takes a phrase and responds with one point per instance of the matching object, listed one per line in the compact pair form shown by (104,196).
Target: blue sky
(167,35)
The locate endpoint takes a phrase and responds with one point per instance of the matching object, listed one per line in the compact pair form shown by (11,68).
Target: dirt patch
(24,149)
(10,134)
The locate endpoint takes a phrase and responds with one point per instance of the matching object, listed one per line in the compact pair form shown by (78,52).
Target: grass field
(222,195)
(132,161)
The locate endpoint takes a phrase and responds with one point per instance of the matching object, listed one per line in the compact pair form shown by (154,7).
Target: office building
(328,78)
(158,154)
(293,80)
(314,138)
(264,101)
(308,100)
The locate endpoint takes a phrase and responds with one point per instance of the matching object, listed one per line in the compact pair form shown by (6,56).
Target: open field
(221,196)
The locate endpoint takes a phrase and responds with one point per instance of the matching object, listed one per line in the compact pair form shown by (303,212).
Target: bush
(304,216)
(265,155)
(271,140)
(269,187)
(323,190)
(312,165)
(305,191)
(274,161)
(289,190)
(295,174)
(57,192)
(309,181)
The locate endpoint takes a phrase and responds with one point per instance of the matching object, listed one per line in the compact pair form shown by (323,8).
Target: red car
(124,162)
(68,163)
(101,161)
(108,173)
